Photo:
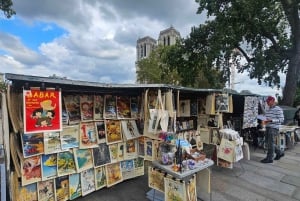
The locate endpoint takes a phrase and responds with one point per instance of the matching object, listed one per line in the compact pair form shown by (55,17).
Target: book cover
(101,155)
(74,186)
(88,136)
(113,174)
(129,129)
(98,107)
(33,144)
(72,104)
(69,137)
(110,107)
(49,166)
(113,152)
(123,107)
(100,129)
(46,190)
(88,181)
(83,159)
(130,151)
(100,177)
(52,143)
(113,131)
(65,163)
(62,188)
(86,107)
(31,170)
(42,110)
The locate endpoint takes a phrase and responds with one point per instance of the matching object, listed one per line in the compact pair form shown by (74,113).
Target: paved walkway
(279,181)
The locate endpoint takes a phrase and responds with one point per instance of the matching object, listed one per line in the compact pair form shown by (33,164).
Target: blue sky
(92,40)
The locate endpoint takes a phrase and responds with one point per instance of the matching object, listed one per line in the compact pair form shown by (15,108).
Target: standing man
(274,117)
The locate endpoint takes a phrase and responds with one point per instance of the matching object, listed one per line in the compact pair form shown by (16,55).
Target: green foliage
(6,7)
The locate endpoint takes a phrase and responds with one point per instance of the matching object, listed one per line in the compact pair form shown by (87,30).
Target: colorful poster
(31,170)
(33,144)
(98,107)
(174,189)
(88,136)
(72,104)
(123,107)
(27,193)
(69,137)
(129,129)
(86,107)
(113,131)
(100,127)
(88,181)
(49,166)
(100,177)
(62,188)
(52,143)
(114,174)
(42,110)
(101,155)
(75,186)
(83,159)
(110,107)
(46,190)
(65,163)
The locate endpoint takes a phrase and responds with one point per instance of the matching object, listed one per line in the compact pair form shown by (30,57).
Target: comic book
(33,144)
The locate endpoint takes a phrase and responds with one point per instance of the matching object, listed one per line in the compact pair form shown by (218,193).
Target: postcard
(101,155)
(87,107)
(33,144)
(88,181)
(49,166)
(46,190)
(88,136)
(65,163)
(98,107)
(113,131)
(74,186)
(69,137)
(83,159)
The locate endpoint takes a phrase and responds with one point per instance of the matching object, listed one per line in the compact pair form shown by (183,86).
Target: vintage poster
(113,151)
(100,177)
(42,110)
(184,109)
(74,186)
(31,170)
(65,163)
(46,190)
(222,103)
(101,155)
(72,104)
(52,143)
(191,190)
(69,137)
(86,107)
(123,107)
(87,178)
(62,188)
(98,107)
(139,168)
(129,129)
(156,179)
(113,131)
(33,144)
(121,146)
(110,107)
(175,189)
(113,174)
(127,168)
(64,114)
(27,193)
(49,166)
(149,149)
(130,150)
(141,146)
(83,159)
(88,136)
(134,107)
(100,129)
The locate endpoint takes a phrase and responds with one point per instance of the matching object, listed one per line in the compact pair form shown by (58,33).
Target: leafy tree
(264,33)
(6,7)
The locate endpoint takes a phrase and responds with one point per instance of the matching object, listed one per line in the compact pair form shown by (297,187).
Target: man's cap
(270,98)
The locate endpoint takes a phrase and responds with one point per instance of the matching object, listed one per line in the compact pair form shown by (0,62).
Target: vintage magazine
(130,151)
(101,155)
(156,179)
(31,170)
(46,190)
(65,163)
(42,110)
(175,189)
(86,107)
(100,130)
(87,181)
(128,170)
(52,143)
(33,144)
(27,193)
(83,159)
(72,104)
(100,177)
(113,131)
(110,107)
(74,186)
(98,107)
(129,129)
(69,137)
(88,136)
(113,152)
(49,166)
(62,188)
(123,107)
(113,174)
(139,168)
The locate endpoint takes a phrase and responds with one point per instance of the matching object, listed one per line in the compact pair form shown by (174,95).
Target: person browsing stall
(274,118)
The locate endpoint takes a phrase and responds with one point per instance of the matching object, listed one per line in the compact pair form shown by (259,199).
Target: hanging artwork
(62,188)
(222,103)
(113,174)
(113,152)
(101,155)
(174,189)
(42,110)
(184,108)
(33,144)
(134,107)
(86,107)
(191,190)
(149,149)
(113,131)
(72,104)
(100,177)
(141,146)
(49,166)
(123,107)
(250,112)
(69,137)
(74,186)
(127,168)
(121,151)
(139,168)
(98,107)
(110,107)
(100,130)
(129,129)
(27,193)
(83,159)
(52,142)
(46,190)
(156,179)
(87,178)
(31,170)
(65,163)
(130,150)
(88,136)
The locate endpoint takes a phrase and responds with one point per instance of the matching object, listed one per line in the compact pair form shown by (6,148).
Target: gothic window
(145,53)
(164,41)
(142,53)
(169,40)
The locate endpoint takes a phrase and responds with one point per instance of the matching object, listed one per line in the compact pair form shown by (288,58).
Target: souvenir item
(184,109)
(101,155)
(222,103)
(191,190)
(62,188)
(100,130)
(52,142)
(98,107)
(113,152)
(226,150)
(175,189)
(110,107)
(72,104)
(86,107)
(88,136)
(123,107)
(156,179)
(139,168)
(113,131)
(49,166)
(27,192)
(46,190)
(130,151)
(113,174)
(31,170)
(134,107)
(33,144)
(129,129)
(83,159)
(69,137)
(42,110)
(141,146)
(127,168)
(121,151)
(65,163)
(100,177)
(250,112)
(74,186)
(87,178)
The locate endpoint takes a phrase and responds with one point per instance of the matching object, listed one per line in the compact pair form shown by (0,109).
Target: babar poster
(42,110)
